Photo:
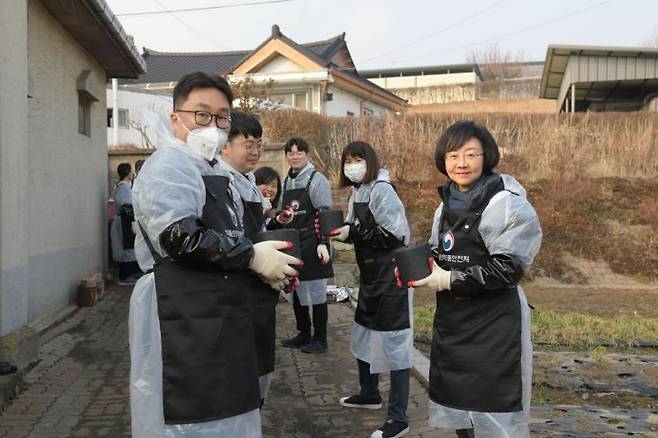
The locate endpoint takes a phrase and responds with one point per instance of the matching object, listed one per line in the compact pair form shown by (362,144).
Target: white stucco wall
(280,64)
(136,102)
(344,101)
(67,172)
(14,271)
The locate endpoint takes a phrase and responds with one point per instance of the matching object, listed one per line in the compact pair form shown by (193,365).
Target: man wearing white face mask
(193,360)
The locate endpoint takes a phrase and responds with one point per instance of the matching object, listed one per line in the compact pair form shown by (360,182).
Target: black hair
(123,170)
(138,165)
(457,135)
(365,151)
(196,80)
(301,144)
(265,175)
(244,124)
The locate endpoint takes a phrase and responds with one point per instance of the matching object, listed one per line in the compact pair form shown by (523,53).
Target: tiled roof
(169,66)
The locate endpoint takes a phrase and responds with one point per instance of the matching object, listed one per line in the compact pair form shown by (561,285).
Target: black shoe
(391,429)
(297,342)
(465,433)
(315,347)
(361,401)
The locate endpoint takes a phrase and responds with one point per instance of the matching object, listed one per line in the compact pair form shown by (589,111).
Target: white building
(55,61)
(318,76)
(131,103)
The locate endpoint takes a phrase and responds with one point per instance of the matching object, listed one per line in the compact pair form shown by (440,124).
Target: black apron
(475,363)
(127,217)
(382,305)
(209,367)
(304,221)
(264,298)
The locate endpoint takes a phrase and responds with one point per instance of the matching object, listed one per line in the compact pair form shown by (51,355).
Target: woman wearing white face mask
(381,332)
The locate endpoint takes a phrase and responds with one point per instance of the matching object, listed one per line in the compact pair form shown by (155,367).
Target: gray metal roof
(93,24)
(424,70)
(600,74)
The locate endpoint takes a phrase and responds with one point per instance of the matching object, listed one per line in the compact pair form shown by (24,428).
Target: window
(350,114)
(367,112)
(124,120)
(300,101)
(84,115)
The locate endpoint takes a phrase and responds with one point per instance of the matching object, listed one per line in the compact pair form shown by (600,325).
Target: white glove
(133,226)
(438,280)
(267,204)
(279,285)
(272,264)
(323,253)
(341,233)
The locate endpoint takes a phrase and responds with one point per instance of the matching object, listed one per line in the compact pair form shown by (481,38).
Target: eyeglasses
(204,118)
(470,157)
(253,147)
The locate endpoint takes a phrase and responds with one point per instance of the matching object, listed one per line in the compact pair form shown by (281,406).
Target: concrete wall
(13,167)
(440,94)
(67,173)
(419,81)
(343,101)
(135,102)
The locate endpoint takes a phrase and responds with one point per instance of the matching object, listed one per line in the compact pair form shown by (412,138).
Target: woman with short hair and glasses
(485,236)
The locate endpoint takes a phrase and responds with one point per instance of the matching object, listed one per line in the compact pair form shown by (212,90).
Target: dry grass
(534,146)
(574,329)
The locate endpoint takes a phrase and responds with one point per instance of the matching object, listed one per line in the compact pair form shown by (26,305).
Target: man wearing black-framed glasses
(192,354)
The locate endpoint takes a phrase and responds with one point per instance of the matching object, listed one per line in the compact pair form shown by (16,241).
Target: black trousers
(303,318)
(128,269)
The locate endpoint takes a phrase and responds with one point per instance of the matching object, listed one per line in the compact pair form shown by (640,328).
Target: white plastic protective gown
(509,225)
(314,291)
(246,187)
(383,350)
(169,188)
(122,196)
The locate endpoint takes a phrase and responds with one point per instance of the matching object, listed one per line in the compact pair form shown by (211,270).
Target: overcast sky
(386,33)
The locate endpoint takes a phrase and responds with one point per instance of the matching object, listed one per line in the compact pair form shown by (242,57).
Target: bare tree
(141,128)
(248,93)
(496,63)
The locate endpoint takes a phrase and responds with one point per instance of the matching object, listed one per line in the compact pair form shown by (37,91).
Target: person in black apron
(382,338)
(122,235)
(194,370)
(485,236)
(305,192)
(239,157)
(269,185)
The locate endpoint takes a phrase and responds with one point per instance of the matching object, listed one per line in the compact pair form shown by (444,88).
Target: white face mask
(355,172)
(205,141)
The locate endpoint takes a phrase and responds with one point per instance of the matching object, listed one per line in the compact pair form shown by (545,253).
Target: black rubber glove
(376,237)
(188,242)
(126,210)
(499,272)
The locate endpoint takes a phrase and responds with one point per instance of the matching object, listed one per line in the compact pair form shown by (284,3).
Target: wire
(524,29)
(233,5)
(210,40)
(433,34)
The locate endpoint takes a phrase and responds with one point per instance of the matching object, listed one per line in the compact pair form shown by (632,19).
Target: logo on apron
(448,241)
(294,204)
